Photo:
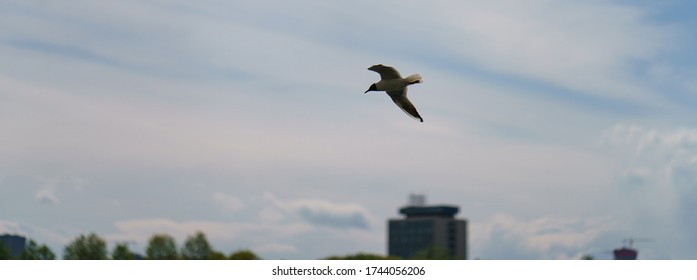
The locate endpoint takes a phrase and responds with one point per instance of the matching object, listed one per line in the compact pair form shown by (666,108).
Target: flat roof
(435,210)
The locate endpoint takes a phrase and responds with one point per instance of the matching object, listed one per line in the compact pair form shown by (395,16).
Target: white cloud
(10,227)
(324,213)
(47,194)
(677,142)
(509,237)
(657,174)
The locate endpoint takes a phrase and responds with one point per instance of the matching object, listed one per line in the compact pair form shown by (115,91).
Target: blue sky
(558,127)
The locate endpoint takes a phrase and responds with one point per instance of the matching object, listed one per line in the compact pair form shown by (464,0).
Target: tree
(4,252)
(216,255)
(432,253)
(121,252)
(90,247)
(162,247)
(35,252)
(197,247)
(244,255)
(362,256)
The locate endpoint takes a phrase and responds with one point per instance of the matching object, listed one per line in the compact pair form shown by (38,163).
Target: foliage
(432,253)
(121,252)
(4,252)
(162,247)
(362,256)
(197,247)
(244,255)
(587,257)
(90,247)
(34,251)
(216,255)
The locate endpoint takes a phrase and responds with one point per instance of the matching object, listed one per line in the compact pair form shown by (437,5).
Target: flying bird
(396,87)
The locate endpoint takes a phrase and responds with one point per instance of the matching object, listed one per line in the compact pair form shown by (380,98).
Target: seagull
(396,87)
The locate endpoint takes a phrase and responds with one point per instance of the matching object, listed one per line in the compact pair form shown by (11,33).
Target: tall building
(14,243)
(425,228)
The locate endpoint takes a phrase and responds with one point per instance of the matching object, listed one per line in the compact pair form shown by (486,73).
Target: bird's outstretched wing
(386,72)
(400,98)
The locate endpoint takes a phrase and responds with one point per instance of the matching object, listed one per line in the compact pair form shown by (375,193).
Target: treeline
(160,247)
(164,247)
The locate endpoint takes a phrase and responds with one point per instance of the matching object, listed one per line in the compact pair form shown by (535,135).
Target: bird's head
(372,88)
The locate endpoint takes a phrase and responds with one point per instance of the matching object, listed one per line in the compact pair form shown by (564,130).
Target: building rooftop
(429,211)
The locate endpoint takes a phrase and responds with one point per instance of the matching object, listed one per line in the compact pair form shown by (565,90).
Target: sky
(560,128)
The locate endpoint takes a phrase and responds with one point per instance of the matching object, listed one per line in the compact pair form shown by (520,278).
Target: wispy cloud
(542,238)
(70,52)
(47,194)
(325,213)
(585,47)
(658,175)
(10,227)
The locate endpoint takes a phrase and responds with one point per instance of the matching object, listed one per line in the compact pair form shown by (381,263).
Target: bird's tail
(414,79)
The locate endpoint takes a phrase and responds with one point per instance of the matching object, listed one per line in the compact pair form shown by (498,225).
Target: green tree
(243,255)
(432,253)
(121,252)
(34,251)
(587,257)
(162,247)
(90,247)
(197,247)
(217,255)
(362,256)
(4,252)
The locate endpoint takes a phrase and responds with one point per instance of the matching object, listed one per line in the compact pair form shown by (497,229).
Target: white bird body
(397,83)
(396,87)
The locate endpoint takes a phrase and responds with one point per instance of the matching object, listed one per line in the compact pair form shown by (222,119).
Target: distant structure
(417,200)
(425,228)
(14,243)
(627,252)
